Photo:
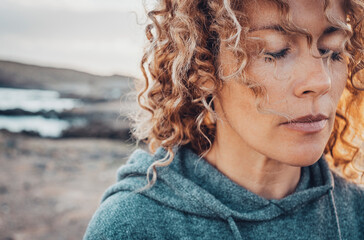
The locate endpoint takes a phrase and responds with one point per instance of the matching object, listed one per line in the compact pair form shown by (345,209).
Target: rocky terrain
(49,188)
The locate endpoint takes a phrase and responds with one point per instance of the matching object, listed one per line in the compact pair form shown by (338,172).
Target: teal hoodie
(193,200)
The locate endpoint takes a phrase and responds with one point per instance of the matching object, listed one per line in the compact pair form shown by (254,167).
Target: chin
(305,157)
(306,161)
(298,154)
(305,152)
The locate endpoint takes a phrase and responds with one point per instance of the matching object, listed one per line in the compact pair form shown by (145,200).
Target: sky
(103,37)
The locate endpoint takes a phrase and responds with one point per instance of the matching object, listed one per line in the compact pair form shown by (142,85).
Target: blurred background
(66,89)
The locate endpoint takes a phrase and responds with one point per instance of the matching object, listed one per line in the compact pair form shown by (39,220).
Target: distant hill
(106,101)
(67,82)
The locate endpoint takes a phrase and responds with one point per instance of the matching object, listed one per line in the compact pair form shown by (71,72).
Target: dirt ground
(49,188)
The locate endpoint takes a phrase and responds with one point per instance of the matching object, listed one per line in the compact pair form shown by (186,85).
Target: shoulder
(347,189)
(123,215)
(349,196)
(349,204)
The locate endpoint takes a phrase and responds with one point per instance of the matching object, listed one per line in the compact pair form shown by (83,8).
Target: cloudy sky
(96,36)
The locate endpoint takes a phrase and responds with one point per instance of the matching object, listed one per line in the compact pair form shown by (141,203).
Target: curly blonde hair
(180,61)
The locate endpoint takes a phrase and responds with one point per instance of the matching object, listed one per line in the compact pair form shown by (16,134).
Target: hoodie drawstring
(234,228)
(332,201)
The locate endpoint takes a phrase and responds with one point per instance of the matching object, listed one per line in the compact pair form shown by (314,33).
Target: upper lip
(308,118)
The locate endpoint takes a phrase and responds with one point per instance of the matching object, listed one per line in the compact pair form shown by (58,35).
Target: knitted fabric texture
(193,200)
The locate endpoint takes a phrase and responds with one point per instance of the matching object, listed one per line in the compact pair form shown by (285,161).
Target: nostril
(305,92)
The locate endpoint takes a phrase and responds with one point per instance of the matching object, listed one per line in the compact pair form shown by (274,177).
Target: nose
(314,79)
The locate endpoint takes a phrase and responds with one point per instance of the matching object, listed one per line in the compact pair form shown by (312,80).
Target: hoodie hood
(191,185)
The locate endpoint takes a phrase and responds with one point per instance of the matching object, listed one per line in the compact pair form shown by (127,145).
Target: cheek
(339,80)
(245,113)
(239,108)
(276,81)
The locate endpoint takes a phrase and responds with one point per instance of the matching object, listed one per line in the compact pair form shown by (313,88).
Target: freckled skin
(251,147)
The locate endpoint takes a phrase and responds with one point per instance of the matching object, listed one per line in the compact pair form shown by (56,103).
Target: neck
(265,177)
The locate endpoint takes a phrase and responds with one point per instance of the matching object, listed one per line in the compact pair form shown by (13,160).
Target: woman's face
(297,85)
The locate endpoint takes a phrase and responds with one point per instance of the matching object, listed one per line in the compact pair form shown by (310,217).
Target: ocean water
(45,127)
(33,100)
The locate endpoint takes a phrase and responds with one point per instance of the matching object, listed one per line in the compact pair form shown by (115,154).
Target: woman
(247,104)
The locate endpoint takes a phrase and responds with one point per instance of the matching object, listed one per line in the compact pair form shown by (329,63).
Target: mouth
(307,124)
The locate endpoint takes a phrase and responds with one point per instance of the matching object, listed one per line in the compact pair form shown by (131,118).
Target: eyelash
(335,56)
(277,55)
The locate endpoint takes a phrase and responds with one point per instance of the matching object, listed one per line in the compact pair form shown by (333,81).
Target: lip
(307,124)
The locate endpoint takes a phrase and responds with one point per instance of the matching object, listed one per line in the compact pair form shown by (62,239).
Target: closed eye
(276,55)
(335,56)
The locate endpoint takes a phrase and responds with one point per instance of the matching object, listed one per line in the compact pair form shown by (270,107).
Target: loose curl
(183,76)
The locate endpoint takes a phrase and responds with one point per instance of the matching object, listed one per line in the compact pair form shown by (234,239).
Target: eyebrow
(280,29)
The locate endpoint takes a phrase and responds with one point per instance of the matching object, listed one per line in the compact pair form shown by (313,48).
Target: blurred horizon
(66,91)
(94,36)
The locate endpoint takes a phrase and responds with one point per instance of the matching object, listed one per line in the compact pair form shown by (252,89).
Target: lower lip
(307,127)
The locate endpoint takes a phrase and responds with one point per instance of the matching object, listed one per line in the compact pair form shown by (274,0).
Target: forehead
(307,14)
